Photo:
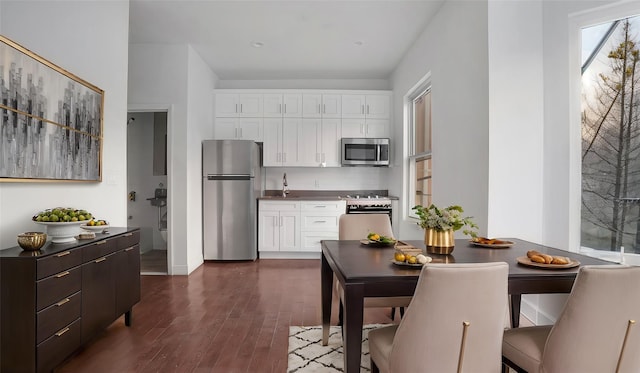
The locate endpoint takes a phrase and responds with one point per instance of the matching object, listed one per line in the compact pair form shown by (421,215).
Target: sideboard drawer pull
(62,274)
(66,300)
(101,242)
(128,234)
(100,260)
(129,248)
(65,253)
(60,333)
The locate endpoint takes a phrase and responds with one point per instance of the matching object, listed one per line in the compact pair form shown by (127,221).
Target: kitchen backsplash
(338,178)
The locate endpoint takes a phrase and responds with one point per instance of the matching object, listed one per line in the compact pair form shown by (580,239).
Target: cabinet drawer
(279,205)
(59,262)
(55,317)
(332,206)
(99,249)
(56,348)
(317,222)
(52,289)
(310,241)
(128,239)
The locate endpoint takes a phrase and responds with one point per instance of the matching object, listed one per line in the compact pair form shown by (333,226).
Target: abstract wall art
(50,120)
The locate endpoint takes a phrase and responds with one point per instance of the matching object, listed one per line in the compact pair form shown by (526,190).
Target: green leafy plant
(443,219)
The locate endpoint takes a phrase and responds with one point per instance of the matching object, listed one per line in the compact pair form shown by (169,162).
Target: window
(610,213)
(420,147)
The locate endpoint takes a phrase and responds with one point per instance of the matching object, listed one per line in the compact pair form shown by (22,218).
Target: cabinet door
(377,128)
(353,128)
(353,106)
(292,105)
(250,105)
(250,129)
(226,105)
(310,241)
(330,135)
(310,143)
(291,141)
(98,296)
(331,106)
(226,129)
(271,146)
(268,231)
(272,105)
(377,106)
(289,231)
(127,279)
(311,105)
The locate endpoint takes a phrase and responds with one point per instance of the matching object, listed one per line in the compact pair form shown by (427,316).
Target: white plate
(528,262)
(503,245)
(95,228)
(405,264)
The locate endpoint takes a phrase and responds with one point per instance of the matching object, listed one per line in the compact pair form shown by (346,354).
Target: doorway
(147,185)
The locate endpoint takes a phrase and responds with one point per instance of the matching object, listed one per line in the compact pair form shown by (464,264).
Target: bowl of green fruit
(62,223)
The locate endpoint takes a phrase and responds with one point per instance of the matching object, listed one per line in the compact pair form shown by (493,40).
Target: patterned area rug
(308,355)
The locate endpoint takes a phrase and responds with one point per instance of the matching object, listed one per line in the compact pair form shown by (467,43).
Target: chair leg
(374,367)
(506,364)
(340,311)
(401,312)
(393,313)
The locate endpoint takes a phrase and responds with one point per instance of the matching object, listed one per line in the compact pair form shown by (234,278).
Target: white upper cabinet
(317,105)
(374,106)
(281,142)
(238,129)
(278,105)
(238,105)
(373,128)
(320,139)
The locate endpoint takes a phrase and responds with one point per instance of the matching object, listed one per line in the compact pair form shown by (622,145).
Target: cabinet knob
(60,333)
(100,260)
(65,273)
(66,300)
(65,253)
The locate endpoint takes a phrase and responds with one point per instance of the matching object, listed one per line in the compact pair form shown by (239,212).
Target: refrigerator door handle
(229,177)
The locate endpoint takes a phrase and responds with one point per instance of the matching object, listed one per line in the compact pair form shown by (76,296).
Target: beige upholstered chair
(594,333)
(454,323)
(357,227)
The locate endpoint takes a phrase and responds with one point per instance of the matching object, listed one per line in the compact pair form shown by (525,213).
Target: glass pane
(423,182)
(422,123)
(610,216)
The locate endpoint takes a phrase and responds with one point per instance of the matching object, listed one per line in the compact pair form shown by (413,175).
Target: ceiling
(302,39)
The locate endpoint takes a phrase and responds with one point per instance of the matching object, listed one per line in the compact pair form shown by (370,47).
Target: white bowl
(94,228)
(62,232)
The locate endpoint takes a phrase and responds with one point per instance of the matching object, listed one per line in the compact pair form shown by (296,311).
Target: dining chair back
(454,323)
(358,226)
(596,330)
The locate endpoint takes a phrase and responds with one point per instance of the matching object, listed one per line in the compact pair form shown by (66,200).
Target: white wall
(90,40)
(453,49)
(374,84)
(175,77)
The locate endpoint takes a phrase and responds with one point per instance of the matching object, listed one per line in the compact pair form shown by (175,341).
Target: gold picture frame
(51,121)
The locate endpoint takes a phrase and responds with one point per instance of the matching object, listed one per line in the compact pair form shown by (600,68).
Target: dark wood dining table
(365,271)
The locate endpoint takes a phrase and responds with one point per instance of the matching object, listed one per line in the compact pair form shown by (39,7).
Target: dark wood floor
(224,317)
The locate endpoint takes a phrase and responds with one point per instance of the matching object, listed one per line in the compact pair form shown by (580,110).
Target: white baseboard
(288,255)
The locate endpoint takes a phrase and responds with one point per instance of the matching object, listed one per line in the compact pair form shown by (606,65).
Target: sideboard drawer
(59,262)
(53,289)
(128,239)
(57,316)
(61,344)
(99,249)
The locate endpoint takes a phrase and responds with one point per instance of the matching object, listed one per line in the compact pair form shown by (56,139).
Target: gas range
(363,202)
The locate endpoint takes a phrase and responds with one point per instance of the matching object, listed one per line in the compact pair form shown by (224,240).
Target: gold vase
(438,241)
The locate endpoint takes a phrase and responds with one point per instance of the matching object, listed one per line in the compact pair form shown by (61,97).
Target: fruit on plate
(488,241)
(96,223)
(375,237)
(62,215)
(401,257)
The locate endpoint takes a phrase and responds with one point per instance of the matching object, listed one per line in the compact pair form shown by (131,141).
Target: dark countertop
(50,248)
(322,195)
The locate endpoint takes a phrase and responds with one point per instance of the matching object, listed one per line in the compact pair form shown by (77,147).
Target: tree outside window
(611,138)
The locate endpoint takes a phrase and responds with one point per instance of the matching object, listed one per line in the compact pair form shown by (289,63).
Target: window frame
(423,86)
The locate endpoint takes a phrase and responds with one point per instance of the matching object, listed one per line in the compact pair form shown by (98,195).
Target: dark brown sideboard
(54,300)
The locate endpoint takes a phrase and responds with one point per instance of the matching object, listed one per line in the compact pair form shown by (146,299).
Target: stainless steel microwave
(365,152)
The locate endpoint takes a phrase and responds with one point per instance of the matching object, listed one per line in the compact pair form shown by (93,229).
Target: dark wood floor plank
(225,317)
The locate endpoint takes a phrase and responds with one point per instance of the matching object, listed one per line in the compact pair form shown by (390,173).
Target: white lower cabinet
(293,228)
(278,226)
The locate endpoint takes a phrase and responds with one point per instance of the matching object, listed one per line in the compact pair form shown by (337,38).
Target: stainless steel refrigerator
(231,183)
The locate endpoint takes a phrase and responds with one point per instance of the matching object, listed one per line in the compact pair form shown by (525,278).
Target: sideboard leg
(127,318)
